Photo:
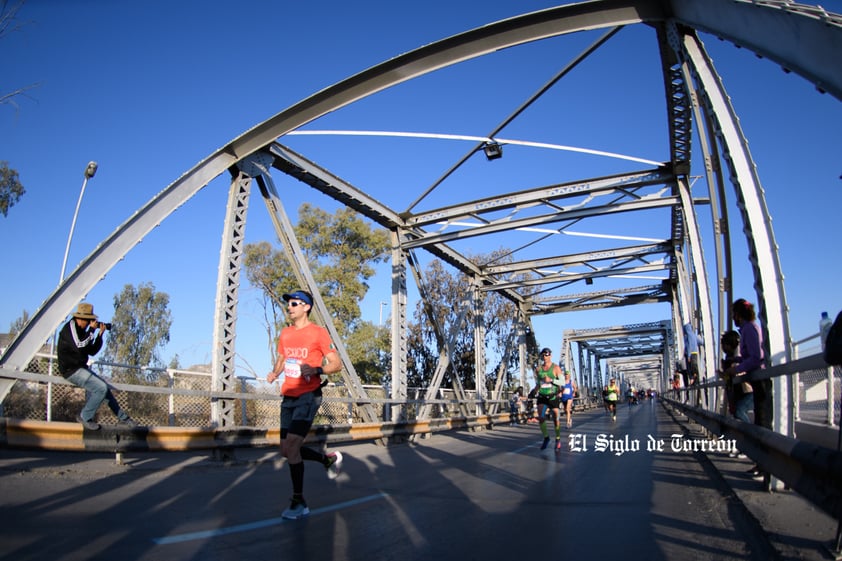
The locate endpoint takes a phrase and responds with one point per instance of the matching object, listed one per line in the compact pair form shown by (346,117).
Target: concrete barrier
(56,435)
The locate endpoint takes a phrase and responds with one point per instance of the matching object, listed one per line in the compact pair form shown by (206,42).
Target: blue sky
(150,89)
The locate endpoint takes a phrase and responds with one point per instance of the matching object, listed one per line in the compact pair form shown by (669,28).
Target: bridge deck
(463,495)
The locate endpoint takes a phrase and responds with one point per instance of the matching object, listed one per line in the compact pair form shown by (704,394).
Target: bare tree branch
(8,24)
(8,17)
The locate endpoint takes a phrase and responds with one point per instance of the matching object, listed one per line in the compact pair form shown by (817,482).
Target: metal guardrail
(813,385)
(810,468)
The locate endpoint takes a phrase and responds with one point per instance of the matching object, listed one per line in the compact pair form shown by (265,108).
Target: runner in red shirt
(305,353)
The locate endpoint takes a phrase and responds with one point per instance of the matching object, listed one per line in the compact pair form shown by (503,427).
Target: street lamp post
(90,171)
(381,312)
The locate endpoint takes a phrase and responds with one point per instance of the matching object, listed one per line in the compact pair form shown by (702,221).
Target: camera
(105,325)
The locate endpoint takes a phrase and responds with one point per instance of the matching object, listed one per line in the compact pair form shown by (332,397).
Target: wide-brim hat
(85,311)
(302,295)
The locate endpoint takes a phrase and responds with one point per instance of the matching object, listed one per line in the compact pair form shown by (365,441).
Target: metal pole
(90,171)
(381,312)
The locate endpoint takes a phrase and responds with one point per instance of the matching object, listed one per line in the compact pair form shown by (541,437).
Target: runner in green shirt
(548,377)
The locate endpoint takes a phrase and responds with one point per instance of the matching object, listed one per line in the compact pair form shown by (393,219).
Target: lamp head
(492,150)
(90,171)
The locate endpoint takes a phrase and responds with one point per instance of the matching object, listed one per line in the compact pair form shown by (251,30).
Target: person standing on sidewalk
(739,396)
(752,359)
(305,353)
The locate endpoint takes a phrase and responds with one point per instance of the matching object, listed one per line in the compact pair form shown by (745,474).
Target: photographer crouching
(80,338)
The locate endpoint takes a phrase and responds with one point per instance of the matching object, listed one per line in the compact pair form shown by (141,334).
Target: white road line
(206,534)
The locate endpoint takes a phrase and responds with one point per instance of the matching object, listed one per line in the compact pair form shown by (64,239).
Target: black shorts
(298,413)
(550,401)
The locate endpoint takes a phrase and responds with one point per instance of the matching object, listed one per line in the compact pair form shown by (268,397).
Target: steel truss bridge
(805,40)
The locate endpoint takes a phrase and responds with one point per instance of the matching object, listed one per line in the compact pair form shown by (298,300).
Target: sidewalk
(796,529)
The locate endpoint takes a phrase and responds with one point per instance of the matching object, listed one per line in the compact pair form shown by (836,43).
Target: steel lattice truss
(806,40)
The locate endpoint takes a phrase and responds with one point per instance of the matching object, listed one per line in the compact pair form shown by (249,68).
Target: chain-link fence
(817,390)
(181,398)
(818,396)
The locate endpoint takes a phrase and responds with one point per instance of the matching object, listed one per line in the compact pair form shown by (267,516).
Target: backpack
(833,344)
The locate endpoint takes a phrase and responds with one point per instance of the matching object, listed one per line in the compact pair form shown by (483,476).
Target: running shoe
(546,442)
(90,425)
(335,466)
(297,509)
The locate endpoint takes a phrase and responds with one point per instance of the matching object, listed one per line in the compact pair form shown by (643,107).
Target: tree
(8,24)
(140,327)
(11,189)
(17,325)
(446,290)
(344,249)
(367,346)
(341,250)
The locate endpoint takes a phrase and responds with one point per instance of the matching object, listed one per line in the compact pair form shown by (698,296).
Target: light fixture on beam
(589,281)
(493,150)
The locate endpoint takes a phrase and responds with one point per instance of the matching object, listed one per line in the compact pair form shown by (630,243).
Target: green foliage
(140,327)
(11,189)
(341,250)
(268,269)
(447,291)
(368,348)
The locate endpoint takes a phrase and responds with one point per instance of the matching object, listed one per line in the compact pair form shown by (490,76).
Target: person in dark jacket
(80,338)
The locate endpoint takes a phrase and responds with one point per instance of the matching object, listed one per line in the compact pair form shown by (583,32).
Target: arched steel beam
(804,39)
(507,33)
(477,42)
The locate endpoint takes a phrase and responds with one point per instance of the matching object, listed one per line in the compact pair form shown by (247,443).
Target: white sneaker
(335,468)
(296,510)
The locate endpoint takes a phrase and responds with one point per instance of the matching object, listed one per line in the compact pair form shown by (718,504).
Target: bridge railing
(182,398)
(815,390)
(807,458)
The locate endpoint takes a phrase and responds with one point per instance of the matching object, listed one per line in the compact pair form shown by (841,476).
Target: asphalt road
(488,495)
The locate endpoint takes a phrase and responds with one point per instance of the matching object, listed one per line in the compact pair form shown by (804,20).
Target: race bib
(292,368)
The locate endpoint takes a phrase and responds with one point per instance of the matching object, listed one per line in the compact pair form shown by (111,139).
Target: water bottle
(824,326)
